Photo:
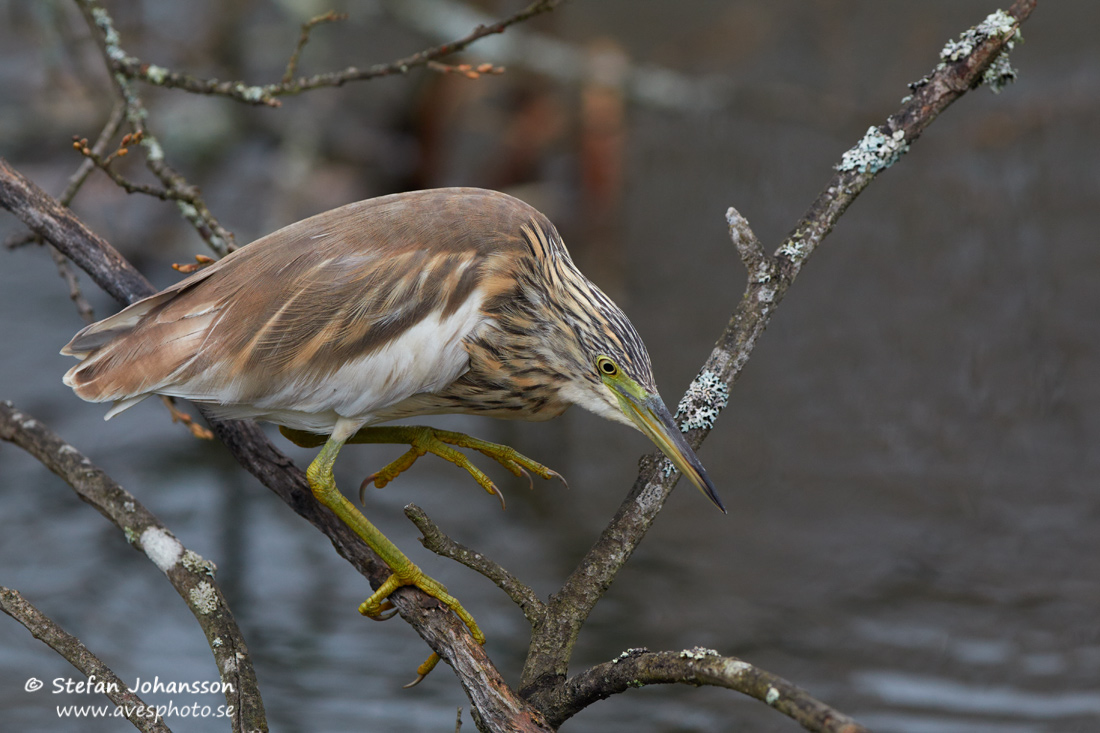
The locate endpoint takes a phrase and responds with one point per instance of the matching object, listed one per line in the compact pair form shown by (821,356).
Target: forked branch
(132,68)
(962,67)
(493,701)
(189,573)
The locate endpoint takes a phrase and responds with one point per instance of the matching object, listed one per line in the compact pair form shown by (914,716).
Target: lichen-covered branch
(188,198)
(545,687)
(131,68)
(552,644)
(188,572)
(100,676)
(493,702)
(636,668)
(126,69)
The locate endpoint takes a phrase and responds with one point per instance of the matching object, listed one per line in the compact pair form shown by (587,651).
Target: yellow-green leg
(405,572)
(421,440)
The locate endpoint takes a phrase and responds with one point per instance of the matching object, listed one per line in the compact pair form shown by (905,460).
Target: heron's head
(612,376)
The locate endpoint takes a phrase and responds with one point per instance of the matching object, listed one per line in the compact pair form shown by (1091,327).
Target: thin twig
(307,28)
(435,540)
(103,163)
(100,676)
(467,70)
(76,180)
(402,66)
(187,571)
(179,416)
(114,122)
(267,94)
(188,198)
(65,270)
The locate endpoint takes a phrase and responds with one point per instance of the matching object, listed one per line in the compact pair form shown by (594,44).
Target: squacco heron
(454,300)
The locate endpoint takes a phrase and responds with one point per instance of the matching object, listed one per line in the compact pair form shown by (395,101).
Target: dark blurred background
(909,458)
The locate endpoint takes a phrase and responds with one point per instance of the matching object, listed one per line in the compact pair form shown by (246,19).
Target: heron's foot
(430,440)
(379,607)
(405,572)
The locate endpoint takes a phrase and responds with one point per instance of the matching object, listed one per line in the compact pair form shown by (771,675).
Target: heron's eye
(607,367)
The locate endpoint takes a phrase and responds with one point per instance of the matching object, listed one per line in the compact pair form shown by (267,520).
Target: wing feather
(345,313)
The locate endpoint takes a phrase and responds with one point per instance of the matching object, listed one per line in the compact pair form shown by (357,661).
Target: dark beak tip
(707,487)
(713,496)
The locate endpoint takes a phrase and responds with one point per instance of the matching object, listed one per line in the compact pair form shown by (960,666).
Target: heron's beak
(653,418)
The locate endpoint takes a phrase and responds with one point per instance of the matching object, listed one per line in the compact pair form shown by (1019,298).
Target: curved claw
(363,489)
(559,477)
(499,496)
(423,670)
(385,612)
(530,481)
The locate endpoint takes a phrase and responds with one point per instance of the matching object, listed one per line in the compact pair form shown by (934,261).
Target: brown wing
(289,311)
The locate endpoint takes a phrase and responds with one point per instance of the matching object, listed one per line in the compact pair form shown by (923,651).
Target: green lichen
(203,598)
(697,653)
(1000,72)
(794,248)
(702,402)
(876,151)
(195,563)
(250,93)
(156,74)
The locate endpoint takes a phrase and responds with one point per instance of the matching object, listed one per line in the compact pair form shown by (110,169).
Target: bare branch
(100,676)
(544,676)
(307,28)
(127,68)
(189,201)
(494,703)
(103,163)
(570,64)
(421,58)
(187,571)
(552,644)
(47,218)
(76,180)
(640,667)
(114,122)
(64,267)
(65,270)
(435,540)
(467,70)
(130,67)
